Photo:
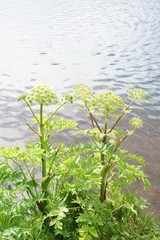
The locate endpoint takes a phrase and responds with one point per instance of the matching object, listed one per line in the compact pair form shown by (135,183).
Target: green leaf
(93,232)
(52,222)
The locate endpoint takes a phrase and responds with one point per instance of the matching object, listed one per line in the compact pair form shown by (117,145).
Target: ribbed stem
(42,143)
(42,205)
(104,182)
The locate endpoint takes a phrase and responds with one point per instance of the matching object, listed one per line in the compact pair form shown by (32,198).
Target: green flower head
(22,97)
(68,98)
(83,92)
(136,122)
(42,94)
(108,102)
(138,94)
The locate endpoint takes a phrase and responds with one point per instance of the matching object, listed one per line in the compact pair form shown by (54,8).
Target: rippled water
(110,45)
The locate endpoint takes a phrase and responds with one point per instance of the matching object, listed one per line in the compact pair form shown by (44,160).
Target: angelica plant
(38,154)
(106,111)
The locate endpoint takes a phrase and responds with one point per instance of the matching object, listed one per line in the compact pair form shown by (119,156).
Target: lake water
(110,45)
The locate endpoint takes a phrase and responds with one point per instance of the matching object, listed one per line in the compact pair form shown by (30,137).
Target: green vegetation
(52,191)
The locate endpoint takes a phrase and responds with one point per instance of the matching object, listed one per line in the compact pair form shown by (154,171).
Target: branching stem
(31,110)
(53,113)
(24,175)
(119,118)
(32,129)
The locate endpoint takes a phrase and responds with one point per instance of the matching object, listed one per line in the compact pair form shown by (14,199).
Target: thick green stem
(42,205)
(105,170)
(104,141)
(43,160)
(104,182)
(102,159)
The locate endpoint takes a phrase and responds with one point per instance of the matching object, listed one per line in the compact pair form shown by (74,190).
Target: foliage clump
(82,191)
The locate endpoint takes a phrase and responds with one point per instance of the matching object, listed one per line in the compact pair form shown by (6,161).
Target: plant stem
(119,118)
(92,122)
(42,205)
(104,182)
(42,143)
(104,141)
(53,113)
(50,167)
(24,175)
(93,119)
(34,115)
(31,176)
(32,129)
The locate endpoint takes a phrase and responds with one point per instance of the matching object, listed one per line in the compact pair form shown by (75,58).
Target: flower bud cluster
(138,94)
(108,102)
(83,92)
(136,122)
(22,97)
(42,94)
(68,98)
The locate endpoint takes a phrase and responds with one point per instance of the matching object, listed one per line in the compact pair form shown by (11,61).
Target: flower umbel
(42,94)
(107,103)
(136,122)
(83,92)
(138,94)
(22,97)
